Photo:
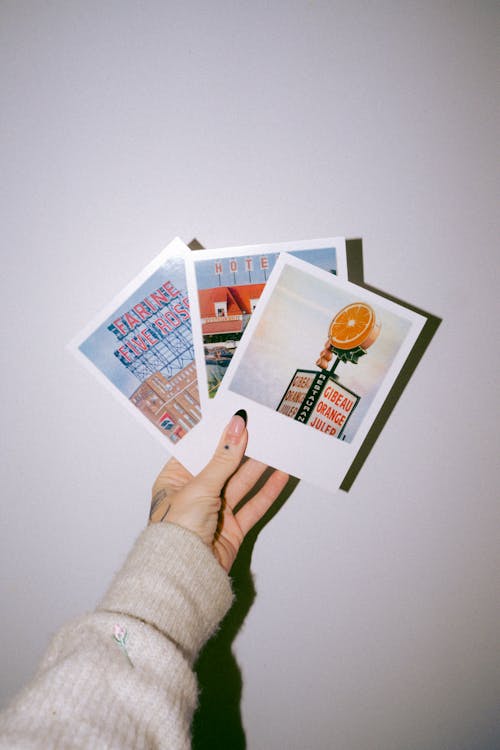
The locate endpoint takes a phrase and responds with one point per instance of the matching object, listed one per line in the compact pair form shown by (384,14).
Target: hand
(205,504)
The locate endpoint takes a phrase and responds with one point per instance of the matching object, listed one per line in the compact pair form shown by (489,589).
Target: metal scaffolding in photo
(169,356)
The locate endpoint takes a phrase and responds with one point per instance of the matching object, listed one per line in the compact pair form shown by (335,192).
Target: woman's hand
(205,504)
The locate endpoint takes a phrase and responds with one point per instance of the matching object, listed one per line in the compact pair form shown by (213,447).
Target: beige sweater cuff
(172,581)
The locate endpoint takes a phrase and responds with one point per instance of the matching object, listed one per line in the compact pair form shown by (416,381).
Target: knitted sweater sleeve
(169,596)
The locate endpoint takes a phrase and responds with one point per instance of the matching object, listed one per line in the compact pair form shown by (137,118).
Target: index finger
(260,503)
(242,481)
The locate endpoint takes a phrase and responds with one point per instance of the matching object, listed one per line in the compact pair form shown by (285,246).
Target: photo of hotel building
(227,309)
(225,312)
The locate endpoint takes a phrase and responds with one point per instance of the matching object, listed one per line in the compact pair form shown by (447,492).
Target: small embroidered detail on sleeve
(120,636)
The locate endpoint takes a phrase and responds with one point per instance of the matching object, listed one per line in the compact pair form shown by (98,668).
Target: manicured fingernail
(242,413)
(236,427)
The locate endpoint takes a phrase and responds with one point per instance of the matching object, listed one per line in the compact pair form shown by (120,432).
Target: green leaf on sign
(349,355)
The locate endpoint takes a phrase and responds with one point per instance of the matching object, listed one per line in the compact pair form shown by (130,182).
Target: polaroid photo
(225,286)
(315,366)
(141,348)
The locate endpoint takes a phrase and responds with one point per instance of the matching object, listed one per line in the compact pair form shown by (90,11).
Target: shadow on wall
(217,723)
(354,252)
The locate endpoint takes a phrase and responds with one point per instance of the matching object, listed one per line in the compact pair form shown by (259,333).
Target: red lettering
(118,324)
(338,398)
(150,305)
(141,311)
(131,320)
(162,326)
(172,318)
(137,345)
(347,404)
(181,311)
(170,289)
(146,333)
(124,354)
(328,412)
(288,411)
(159,298)
(300,381)
(322,426)
(294,396)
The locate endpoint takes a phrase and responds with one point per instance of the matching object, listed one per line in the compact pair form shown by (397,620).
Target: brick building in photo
(171,405)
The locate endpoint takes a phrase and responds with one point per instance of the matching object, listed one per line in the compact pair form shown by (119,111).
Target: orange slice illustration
(354,325)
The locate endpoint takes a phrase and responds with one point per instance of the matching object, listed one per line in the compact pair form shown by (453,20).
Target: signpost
(317,398)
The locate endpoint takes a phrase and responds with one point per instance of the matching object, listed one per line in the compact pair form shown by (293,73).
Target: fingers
(227,456)
(243,481)
(255,508)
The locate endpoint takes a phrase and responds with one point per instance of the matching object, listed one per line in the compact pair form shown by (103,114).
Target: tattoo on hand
(158,498)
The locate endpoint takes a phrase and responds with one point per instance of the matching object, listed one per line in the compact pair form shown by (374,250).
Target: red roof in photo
(246,292)
(238,299)
(209,297)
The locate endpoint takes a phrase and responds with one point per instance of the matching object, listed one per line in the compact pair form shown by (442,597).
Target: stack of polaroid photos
(277,330)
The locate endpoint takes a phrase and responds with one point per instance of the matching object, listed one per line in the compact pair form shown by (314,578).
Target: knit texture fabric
(169,596)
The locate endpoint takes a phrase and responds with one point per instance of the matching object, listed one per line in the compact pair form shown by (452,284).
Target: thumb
(227,456)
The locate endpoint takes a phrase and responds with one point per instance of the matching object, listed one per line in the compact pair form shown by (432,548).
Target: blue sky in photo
(206,278)
(100,346)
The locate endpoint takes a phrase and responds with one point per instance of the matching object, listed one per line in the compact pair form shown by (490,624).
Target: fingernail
(242,413)
(236,427)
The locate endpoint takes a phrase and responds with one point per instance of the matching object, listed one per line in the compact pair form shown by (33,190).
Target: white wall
(126,123)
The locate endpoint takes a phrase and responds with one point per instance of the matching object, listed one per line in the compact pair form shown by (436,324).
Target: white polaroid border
(279,440)
(175,249)
(241,251)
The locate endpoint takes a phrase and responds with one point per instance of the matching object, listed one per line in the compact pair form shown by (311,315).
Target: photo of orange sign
(296,393)
(332,410)
(318,400)
(351,333)
(355,325)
